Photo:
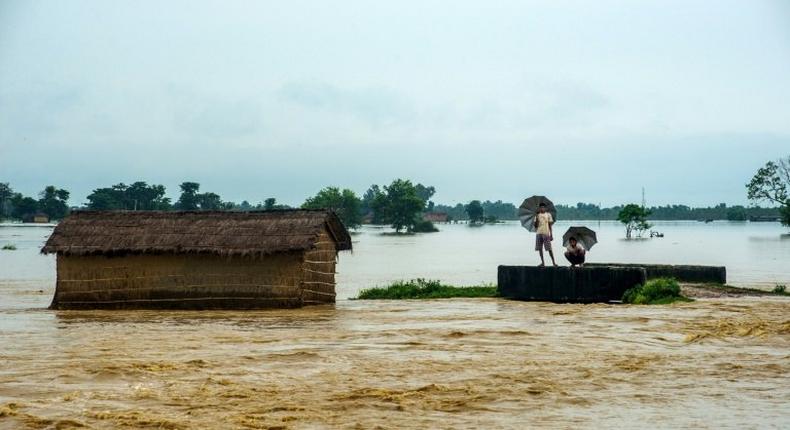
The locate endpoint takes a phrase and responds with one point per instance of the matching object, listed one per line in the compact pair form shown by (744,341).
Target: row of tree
(400,204)
(51,201)
(588,211)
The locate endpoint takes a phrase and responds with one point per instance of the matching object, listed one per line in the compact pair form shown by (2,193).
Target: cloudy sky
(579,100)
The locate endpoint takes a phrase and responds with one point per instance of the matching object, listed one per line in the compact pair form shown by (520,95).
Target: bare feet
(542,265)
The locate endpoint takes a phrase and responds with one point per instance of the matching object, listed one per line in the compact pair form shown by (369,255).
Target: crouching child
(575,252)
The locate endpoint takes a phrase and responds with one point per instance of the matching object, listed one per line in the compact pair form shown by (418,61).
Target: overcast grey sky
(579,100)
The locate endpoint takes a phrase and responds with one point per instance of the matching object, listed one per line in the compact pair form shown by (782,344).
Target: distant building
(196,260)
(38,218)
(435,216)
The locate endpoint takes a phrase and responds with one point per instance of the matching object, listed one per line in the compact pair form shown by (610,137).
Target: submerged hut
(36,218)
(196,260)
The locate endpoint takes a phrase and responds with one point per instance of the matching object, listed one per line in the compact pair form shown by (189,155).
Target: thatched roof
(223,233)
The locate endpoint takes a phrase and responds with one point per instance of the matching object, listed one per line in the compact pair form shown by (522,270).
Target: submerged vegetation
(778,290)
(425,289)
(635,219)
(771,183)
(660,291)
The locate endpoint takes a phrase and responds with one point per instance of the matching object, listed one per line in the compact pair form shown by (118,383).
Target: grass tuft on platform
(660,291)
(425,289)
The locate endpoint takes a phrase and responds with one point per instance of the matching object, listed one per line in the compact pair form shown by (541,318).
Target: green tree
(188,201)
(635,219)
(400,205)
(500,210)
(53,202)
(6,193)
(737,213)
(209,202)
(192,200)
(137,196)
(374,203)
(112,198)
(771,183)
(474,210)
(22,206)
(141,196)
(344,203)
(425,193)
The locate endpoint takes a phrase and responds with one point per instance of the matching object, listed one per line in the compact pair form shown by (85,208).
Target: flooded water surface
(485,363)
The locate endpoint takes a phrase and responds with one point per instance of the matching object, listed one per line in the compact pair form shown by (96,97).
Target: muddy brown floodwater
(483,363)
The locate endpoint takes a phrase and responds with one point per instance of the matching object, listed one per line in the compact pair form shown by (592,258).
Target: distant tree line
(51,201)
(589,211)
(492,211)
(401,204)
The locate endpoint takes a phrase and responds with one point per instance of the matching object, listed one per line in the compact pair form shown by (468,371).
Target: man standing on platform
(543,225)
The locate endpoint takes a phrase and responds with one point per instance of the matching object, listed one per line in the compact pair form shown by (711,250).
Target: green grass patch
(779,290)
(9,247)
(660,291)
(425,289)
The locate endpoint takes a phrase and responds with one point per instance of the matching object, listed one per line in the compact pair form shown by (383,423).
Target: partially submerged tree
(635,219)
(374,204)
(474,210)
(399,205)
(344,203)
(771,183)
(6,193)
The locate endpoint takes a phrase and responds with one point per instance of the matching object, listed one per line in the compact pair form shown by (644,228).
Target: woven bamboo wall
(187,281)
(319,271)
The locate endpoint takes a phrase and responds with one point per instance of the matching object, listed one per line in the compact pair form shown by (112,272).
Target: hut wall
(190,281)
(318,266)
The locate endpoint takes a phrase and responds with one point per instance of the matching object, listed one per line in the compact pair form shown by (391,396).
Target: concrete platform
(682,273)
(566,284)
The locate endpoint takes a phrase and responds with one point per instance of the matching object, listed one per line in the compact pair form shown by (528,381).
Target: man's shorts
(543,240)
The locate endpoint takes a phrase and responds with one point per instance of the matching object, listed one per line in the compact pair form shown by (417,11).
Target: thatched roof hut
(119,259)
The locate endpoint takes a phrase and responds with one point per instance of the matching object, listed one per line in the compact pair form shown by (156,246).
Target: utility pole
(643,197)
(600,213)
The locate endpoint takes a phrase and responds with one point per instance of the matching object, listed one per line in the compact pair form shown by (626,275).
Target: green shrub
(9,247)
(655,292)
(780,289)
(425,289)
(424,226)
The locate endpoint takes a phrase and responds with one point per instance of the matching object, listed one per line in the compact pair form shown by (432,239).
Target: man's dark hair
(572,239)
(542,205)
